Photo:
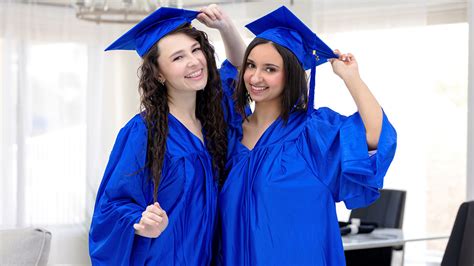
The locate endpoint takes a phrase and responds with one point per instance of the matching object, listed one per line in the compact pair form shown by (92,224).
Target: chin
(200,87)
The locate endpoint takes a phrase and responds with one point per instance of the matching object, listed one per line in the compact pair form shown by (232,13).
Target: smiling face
(264,74)
(182,63)
(273,74)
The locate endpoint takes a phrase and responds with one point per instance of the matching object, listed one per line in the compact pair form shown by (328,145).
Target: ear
(159,76)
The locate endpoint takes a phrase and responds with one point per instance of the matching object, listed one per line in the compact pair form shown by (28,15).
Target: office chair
(386,212)
(460,248)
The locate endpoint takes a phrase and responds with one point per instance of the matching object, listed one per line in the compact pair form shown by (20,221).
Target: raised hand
(153,222)
(214,17)
(345,66)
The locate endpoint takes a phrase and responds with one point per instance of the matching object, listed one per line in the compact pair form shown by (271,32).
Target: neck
(182,104)
(266,112)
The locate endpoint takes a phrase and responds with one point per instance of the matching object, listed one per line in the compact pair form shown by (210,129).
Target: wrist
(353,84)
(226,27)
(352,79)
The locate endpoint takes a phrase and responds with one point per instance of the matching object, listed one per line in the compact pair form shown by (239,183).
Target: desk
(383,237)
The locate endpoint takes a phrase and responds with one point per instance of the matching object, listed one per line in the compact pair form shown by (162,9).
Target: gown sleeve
(120,201)
(229,76)
(336,149)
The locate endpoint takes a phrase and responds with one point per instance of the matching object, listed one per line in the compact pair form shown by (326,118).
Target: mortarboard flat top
(152,28)
(284,28)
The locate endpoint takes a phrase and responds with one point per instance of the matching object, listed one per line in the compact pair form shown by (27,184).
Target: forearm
(369,109)
(233,43)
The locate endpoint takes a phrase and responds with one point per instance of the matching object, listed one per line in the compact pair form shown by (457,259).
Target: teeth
(258,88)
(195,74)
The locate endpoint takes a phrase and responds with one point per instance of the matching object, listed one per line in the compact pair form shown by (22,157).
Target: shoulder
(136,123)
(228,72)
(134,128)
(327,116)
(133,135)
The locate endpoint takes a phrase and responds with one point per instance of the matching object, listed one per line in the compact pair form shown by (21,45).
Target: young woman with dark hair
(294,95)
(156,204)
(290,162)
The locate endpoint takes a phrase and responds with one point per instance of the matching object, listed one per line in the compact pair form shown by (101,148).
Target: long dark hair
(154,104)
(295,91)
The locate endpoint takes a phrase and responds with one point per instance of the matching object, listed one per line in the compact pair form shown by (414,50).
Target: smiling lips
(257,89)
(195,75)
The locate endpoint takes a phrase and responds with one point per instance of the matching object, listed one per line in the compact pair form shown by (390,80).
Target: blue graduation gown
(277,206)
(187,193)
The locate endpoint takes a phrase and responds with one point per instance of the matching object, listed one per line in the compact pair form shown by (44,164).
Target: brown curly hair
(155,110)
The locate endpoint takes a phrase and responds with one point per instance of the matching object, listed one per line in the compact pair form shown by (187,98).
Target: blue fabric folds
(187,192)
(336,149)
(277,206)
(229,74)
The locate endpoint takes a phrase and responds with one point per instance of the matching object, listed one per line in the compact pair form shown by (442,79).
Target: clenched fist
(153,222)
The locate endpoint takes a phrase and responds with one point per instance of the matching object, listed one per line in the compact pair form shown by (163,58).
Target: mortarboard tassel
(312,83)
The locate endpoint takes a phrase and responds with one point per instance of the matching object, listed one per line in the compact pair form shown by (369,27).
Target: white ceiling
(328,15)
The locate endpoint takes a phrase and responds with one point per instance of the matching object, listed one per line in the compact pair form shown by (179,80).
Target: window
(48,140)
(420,78)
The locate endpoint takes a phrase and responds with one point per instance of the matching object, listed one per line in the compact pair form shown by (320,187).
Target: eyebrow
(267,64)
(196,44)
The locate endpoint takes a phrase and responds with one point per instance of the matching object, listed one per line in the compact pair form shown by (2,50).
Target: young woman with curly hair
(157,201)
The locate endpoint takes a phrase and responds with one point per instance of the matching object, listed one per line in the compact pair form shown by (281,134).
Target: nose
(256,76)
(193,60)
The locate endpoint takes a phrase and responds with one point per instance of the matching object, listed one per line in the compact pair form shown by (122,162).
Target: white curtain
(62,103)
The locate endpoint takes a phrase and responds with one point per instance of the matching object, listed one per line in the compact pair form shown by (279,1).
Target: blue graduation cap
(152,28)
(284,28)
